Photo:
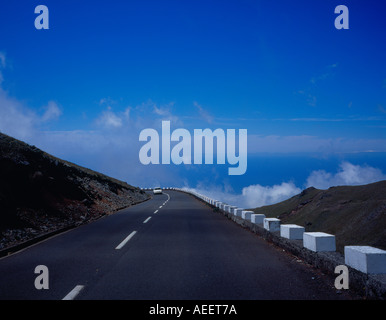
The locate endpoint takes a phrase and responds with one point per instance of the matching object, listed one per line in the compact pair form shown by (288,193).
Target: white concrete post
(319,241)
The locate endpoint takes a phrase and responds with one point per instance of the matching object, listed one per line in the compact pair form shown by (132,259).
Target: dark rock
(40,193)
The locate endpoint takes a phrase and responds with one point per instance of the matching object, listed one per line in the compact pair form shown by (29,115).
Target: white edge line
(73,293)
(147,220)
(126,240)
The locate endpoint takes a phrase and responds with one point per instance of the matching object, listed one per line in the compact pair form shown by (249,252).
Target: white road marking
(147,220)
(166,201)
(156,211)
(73,293)
(126,240)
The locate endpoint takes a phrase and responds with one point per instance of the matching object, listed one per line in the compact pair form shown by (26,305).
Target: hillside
(40,193)
(356,215)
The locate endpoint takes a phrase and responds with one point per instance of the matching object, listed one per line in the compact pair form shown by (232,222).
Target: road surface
(172,247)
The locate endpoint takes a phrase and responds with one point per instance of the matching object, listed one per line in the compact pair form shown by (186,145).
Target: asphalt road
(183,251)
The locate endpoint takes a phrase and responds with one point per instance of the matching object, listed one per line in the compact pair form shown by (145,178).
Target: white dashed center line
(126,240)
(147,220)
(73,293)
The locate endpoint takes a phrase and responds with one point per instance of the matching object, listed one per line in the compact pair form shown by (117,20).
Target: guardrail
(367,265)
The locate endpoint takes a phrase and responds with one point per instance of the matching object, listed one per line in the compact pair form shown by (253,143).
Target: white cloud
(109,119)
(203,113)
(108,102)
(164,111)
(15,119)
(52,112)
(2,59)
(257,195)
(252,196)
(126,113)
(22,122)
(2,66)
(145,115)
(113,152)
(161,111)
(348,174)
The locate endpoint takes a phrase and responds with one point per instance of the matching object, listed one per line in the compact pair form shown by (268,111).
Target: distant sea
(273,169)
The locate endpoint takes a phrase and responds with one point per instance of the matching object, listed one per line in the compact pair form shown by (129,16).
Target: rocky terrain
(356,215)
(40,193)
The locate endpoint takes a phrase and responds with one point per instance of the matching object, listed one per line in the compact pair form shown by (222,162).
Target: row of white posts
(366,259)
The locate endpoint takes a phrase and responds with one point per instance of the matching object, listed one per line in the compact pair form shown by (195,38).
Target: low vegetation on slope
(356,215)
(40,193)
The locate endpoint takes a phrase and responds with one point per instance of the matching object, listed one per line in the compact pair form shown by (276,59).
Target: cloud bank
(252,196)
(348,174)
(256,195)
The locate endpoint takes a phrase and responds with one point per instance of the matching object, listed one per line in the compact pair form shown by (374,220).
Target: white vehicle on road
(157,190)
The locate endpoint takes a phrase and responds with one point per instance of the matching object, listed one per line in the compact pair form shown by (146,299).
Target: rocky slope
(40,193)
(356,215)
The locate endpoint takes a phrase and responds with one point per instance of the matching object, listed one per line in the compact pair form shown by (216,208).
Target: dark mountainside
(40,193)
(356,215)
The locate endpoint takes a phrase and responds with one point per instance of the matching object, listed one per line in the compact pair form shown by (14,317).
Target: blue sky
(312,97)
